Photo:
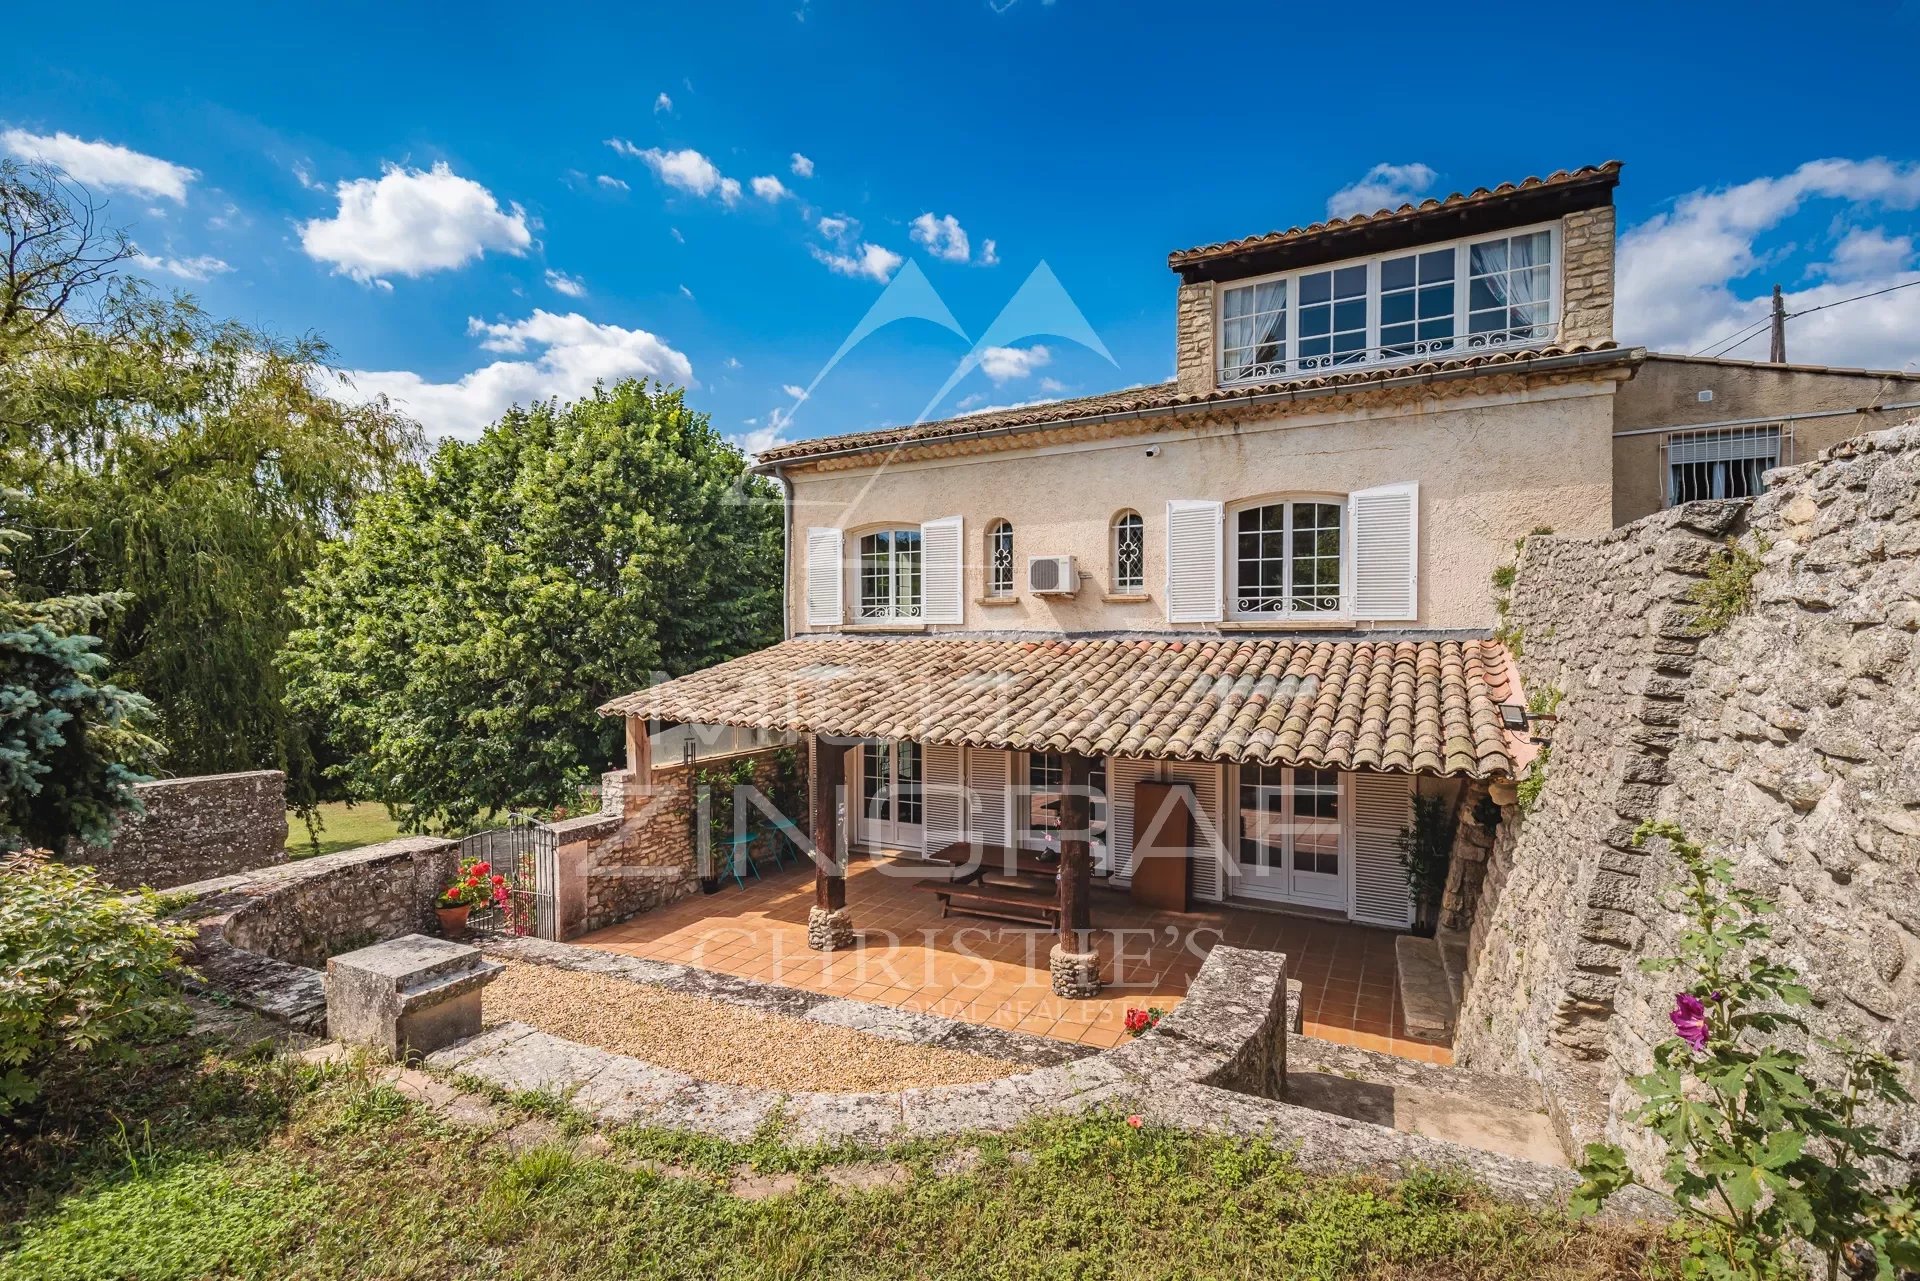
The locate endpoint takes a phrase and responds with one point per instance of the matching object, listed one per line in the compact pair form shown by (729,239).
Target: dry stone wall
(194,828)
(1786,741)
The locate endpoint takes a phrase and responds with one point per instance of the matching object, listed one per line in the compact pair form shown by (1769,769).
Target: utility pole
(1779,353)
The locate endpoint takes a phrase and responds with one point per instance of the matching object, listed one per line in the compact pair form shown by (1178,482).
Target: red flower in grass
(1135,1121)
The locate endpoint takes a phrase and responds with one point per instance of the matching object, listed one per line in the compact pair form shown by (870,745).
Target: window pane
(1490,256)
(1316,557)
(1437,301)
(1000,565)
(1396,309)
(1350,282)
(1436,264)
(1260,566)
(1397,273)
(1129,554)
(1316,287)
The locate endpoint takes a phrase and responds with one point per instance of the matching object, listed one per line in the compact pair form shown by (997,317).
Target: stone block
(408,996)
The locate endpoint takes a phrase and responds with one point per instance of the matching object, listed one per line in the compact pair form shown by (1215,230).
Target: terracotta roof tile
(1479,195)
(1427,706)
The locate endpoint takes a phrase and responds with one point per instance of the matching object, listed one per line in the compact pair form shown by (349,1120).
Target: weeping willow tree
(193,467)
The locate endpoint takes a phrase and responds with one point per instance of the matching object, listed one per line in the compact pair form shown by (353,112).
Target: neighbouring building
(1267,580)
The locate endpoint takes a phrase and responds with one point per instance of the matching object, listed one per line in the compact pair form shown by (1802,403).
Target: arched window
(1000,559)
(890,574)
(1129,554)
(1285,559)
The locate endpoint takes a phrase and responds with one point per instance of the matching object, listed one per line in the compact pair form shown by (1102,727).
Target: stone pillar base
(829,931)
(408,996)
(1075,974)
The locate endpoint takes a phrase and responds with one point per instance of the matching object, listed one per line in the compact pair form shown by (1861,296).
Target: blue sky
(499,202)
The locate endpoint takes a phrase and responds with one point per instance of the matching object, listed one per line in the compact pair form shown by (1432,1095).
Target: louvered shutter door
(942,576)
(1386,552)
(990,786)
(943,805)
(1123,775)
(824,575)
(1194,564)
(1208,833)
(1382,809)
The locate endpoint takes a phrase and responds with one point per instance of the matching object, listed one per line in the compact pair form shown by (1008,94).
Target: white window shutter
(1209,850)
(943,804)
(943,578)
(1386,553)
(1194,560)
(1124,774)
(1382,809)
(990,786)
(825,574)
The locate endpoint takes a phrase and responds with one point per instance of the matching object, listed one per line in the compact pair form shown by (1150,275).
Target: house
(1266,582)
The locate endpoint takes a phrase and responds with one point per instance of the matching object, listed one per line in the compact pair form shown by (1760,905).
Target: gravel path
(718,1042)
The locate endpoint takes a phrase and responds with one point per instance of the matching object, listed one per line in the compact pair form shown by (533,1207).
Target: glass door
(1291,847)
(890,799)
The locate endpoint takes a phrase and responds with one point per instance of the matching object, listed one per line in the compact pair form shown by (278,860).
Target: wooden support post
(1073,961)
(829,926)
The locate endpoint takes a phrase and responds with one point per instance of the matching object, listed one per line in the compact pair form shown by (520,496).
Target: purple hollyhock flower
(1690,1020)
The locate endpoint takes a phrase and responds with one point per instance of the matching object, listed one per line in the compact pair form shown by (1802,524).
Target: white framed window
(1722,464)
(1000,559)
(1287,559)
(1129,554)
(1447,299)
(889,574)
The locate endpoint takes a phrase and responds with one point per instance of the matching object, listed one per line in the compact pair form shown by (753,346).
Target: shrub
(1727,590)
(1763,1160)
(85,973)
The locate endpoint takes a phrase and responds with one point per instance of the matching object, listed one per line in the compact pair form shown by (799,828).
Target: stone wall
(264,934)
(1193,359)
(195,828)
(1586,276)
(638,853)
(1785,741)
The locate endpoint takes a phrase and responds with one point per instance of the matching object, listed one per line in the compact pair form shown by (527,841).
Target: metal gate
(525,851)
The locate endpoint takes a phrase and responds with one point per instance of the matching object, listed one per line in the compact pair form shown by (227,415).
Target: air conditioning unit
(1052,576)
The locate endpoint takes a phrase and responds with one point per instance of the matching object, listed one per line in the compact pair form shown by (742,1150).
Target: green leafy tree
(1763,1157)
(71,745)
(86,973)
(461,639)
(189,467)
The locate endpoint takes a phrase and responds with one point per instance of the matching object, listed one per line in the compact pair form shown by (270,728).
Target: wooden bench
(997,902)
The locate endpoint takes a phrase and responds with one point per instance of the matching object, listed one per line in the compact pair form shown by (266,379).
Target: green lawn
(343,826)
(231,1166)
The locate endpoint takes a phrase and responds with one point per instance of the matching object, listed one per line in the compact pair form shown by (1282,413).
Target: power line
(1735,335)
(1840,302)
(1740,337)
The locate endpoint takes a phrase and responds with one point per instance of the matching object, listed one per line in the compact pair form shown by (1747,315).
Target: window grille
(1729,463)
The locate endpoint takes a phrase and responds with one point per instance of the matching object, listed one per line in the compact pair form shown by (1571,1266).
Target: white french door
(890,799)
(1292,838)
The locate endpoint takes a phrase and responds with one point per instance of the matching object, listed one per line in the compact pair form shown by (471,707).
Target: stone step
(1426,998)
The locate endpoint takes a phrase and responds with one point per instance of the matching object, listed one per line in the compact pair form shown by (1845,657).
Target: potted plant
(476,884)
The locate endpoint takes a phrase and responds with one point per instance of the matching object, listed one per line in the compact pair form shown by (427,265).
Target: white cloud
(204,267)
(102,164)
(870,260)
(1865,252)
(989,254)
(733,362)
(794,390)
(839,229)
(770,189)
(572,354)
(561,283)
(1684,274)
(802,167)
(1003,364)
(409,222)
(686,293)
(687,170)
(944,237)
(610,182)
(1052,384)
(1384,187)
(662,103)
(303,174)
(675,233)
(760,439)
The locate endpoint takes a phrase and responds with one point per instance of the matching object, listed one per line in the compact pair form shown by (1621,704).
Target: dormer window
(1439,302)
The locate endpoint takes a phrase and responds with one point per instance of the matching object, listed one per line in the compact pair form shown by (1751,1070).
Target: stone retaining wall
(1786,742)
(194,828)
(265,933)
(638,852)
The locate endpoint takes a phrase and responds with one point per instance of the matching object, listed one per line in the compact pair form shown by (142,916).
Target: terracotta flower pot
(453,921)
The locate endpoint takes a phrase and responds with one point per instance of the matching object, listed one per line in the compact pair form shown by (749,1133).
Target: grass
(211,1164)
(344,825)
